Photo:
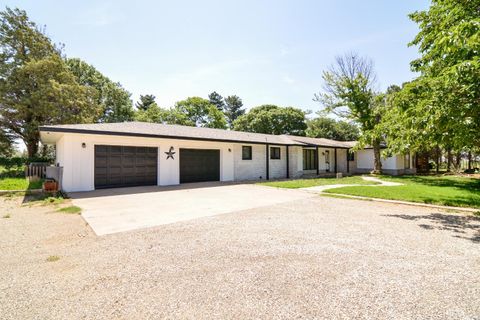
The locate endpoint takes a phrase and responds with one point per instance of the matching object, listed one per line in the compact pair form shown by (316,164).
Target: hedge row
(21,161)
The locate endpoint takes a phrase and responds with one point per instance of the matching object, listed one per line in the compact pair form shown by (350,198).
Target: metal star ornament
(170,153)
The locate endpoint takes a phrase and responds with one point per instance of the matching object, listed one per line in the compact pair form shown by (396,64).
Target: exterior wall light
(84,145)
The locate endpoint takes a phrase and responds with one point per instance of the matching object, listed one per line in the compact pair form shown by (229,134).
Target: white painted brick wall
(342,160)
(295,162)
(254,169)
(278,168)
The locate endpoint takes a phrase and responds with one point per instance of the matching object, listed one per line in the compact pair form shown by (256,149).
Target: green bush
(12,162)
(13,167)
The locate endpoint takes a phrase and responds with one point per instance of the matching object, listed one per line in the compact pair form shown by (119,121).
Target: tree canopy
(36,86)
(153,113)
(196,111)
(145,101)
(233,109)
(323,127)
(442,106)
(111,97)
(349,93)
(272,119)
(217,100)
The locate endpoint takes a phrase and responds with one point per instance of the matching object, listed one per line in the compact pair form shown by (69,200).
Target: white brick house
(108,155)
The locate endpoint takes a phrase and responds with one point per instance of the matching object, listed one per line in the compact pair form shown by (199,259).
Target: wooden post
(335,153)
(288,167)
(317,160)
(267,161)
(348,161)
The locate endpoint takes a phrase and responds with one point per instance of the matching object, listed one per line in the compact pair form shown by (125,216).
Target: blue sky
(263,51)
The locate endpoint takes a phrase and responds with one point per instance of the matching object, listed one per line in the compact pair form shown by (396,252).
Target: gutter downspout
(335,152)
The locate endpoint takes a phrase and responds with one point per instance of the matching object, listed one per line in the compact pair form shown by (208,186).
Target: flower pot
(50,186)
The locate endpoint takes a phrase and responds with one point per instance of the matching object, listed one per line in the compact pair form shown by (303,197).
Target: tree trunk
(469,160)
(32,147)
(437,160)
(449,160)
(377,161)
(458,161)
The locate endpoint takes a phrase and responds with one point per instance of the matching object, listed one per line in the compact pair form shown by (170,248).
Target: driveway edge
(418,204)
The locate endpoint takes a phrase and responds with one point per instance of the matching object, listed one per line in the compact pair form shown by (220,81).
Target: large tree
(36,87)
(272,119)
(441,108)
(153,113)
(113,99)
(233,109)
(217,100)
(349,93)
(196,111)
(6,144)
(323,127)
(145,101)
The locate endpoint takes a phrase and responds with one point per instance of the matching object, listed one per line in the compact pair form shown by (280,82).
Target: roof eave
(147,135)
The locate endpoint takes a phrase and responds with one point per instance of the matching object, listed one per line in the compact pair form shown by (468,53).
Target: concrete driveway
(115,210)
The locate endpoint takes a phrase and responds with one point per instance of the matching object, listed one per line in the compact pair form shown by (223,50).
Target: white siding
(78,162)
(365,160)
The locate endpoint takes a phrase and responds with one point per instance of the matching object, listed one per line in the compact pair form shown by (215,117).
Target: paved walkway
(381,183)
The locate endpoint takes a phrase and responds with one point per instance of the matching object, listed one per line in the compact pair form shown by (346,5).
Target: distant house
(106,155)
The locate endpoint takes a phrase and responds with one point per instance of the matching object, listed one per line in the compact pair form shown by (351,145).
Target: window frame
(273,155)
(250,153)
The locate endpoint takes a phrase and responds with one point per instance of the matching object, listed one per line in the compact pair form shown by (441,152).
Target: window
(351,156)
(309,159)
(274,153)
(246,153)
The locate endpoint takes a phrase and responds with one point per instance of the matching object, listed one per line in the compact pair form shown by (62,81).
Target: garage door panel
(197,165)
(123,166)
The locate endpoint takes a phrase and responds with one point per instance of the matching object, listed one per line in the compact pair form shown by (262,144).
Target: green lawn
(19,184)
(441,190)
(305,183)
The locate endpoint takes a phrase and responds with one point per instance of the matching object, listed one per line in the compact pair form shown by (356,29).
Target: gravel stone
(315,258)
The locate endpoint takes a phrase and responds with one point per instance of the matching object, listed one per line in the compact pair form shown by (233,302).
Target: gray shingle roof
(146,129)
(323,142)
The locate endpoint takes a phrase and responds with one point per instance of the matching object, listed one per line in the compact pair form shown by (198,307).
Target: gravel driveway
(310,258)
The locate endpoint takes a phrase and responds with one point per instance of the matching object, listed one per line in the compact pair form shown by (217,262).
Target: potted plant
(50,185)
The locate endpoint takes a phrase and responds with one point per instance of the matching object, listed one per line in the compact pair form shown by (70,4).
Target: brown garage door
(197,165)
(125,166)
